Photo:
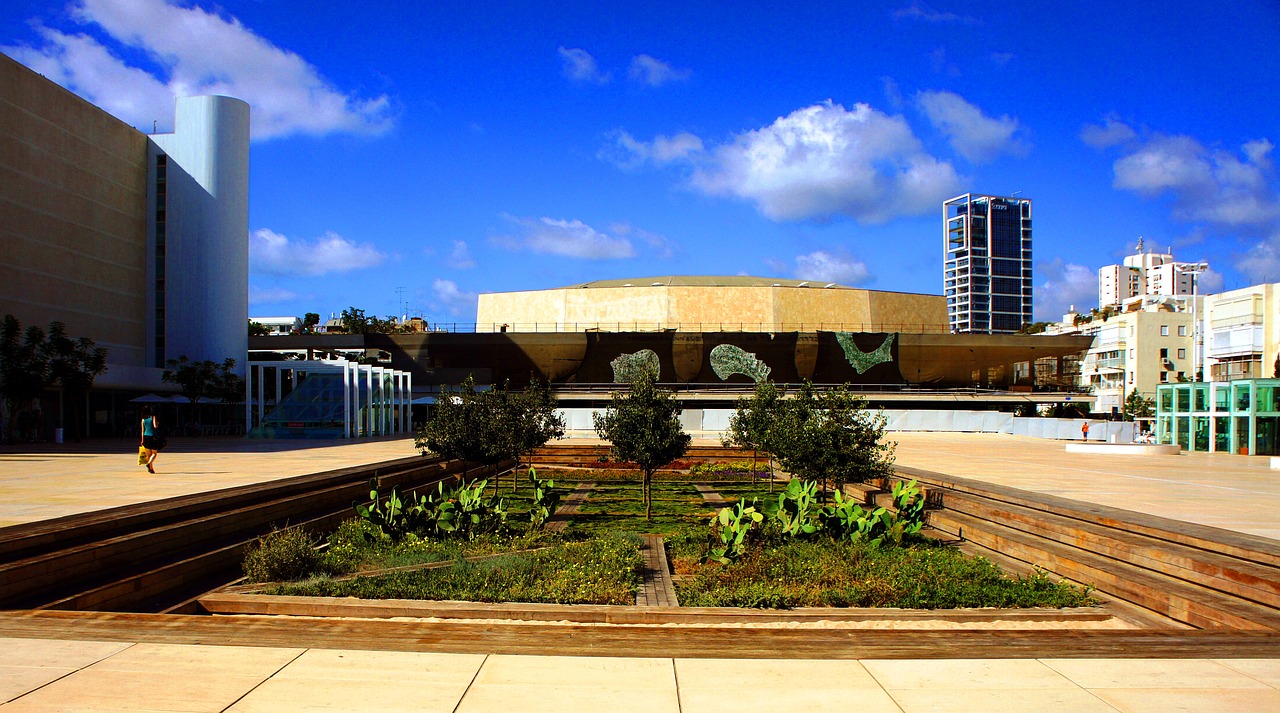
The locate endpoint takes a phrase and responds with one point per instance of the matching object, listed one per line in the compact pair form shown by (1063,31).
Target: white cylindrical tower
(204,260)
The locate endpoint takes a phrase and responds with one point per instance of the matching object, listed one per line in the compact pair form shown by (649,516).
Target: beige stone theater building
(710,304)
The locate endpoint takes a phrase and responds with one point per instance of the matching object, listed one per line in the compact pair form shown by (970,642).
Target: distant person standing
(151,438)
(1084,431)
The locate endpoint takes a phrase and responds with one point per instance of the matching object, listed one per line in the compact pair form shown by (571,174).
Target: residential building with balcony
(1132,351)
(1242,333)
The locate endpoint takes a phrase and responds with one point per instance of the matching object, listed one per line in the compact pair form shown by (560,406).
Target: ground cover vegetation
(675,507)
(452,525)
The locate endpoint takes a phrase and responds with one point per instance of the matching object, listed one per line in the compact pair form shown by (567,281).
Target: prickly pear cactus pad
(727,360)
(628,367)
(860,360)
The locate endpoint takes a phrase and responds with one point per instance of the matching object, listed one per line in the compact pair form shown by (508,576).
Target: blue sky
(451,149)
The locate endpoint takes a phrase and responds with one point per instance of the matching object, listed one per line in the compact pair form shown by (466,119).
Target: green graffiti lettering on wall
(860,360)
(727,360)
(627,368)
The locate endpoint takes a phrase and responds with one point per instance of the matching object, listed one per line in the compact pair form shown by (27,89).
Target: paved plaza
(1233,492)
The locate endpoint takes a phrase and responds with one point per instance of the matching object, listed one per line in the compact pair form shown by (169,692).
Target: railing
(637,326)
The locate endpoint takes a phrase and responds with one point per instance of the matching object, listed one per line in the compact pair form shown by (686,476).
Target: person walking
(1084,431)
(151,438)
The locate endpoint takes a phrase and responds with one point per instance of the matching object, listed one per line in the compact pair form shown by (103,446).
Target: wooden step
(1251,580)
(1198,606)
(730,641)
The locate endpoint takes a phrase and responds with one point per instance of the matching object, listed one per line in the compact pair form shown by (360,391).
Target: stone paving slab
(131,677)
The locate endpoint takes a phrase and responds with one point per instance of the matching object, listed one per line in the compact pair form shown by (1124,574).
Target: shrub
(281,555)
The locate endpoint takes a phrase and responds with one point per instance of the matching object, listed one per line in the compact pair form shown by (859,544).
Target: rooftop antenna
(154,124)
(404,306)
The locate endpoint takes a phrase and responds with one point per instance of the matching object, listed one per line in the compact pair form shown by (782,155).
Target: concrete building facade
(1135,352)
(987,269)
(710,304)
(137,242)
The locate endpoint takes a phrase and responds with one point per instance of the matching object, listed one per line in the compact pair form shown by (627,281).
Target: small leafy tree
(74,363)
(829,435)
(25,367)
(456,426)
(258,329)
(491,426)
(204,379)
(751,425)
(642,426)
(309,322)
(1137,406)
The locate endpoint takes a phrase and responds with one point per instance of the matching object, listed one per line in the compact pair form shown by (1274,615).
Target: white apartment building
(1146,274)
(1242,333)
(1134,351)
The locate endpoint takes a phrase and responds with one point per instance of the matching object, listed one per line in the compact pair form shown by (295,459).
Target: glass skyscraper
(987,271)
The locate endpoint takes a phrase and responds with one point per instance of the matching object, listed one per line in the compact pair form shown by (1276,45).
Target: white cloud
(658,246)
(273,253)
(270,295)
(460,257)
(1110,132)
(568,238)
(823,160)
(821,266)
(920,10)
(626,151)
(1210,281)
(1261,263)
(580,66)
(1065,284)
(452,300)
(973,134)
(1209,185)
(654,72)
(196,52)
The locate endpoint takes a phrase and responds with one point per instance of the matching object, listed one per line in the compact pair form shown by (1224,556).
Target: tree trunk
(648,497)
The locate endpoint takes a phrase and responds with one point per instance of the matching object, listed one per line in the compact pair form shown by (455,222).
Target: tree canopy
(34,359)
(205,379)
(355,321)
(815,434)
(642,426)
(490,426)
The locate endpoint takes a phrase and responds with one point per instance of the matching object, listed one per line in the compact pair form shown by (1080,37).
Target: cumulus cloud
(460,257)
(273,253)
(193,51)
(1110,132)
(580,66)
(451,300)
(1211,185)
(567,238)
(1064,284)
(824,161)
(973,134)
(270,295)
(654,72)
(626,151)
(821,266)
